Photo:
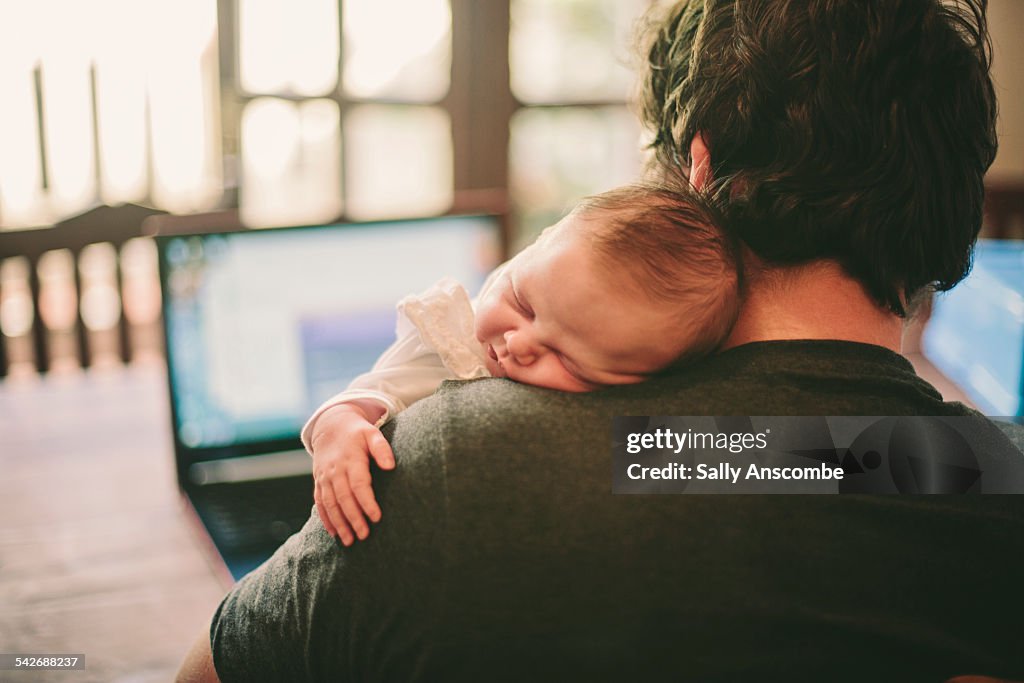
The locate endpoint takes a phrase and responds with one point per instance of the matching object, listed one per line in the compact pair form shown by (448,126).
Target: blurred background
(270,113)
(293,113)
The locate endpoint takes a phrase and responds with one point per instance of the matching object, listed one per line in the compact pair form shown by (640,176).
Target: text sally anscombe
(734,442)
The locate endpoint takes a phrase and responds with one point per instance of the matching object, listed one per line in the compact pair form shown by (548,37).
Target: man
(846,140)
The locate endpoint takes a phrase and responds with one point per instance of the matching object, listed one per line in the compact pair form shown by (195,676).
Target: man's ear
(700,162)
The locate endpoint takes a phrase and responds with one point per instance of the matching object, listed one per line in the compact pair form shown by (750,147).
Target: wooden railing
(69,293)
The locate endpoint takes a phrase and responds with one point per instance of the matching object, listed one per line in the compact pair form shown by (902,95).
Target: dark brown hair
(852,130)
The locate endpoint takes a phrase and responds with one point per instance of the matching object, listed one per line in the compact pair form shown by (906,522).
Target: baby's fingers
(381,451)
(359,479)
(350,507)
(335,513)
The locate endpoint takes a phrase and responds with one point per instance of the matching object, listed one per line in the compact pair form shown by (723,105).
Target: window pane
(67,108)
(120,65)
(121,100)
(398,161)
(288,47)
(22,202)
(67,123)
(184,106)
(572,50)
(161,51)
(121,127)
(560,155)
(291,156)
(397,49)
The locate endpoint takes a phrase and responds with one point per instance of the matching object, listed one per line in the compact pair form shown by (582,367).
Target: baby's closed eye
(520,302)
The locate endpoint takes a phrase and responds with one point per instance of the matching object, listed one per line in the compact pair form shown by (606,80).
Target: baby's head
(632,281)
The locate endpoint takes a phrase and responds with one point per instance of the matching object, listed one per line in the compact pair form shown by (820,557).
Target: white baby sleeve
(435,342)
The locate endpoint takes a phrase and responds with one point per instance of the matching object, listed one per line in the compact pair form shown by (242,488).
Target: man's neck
(812,301)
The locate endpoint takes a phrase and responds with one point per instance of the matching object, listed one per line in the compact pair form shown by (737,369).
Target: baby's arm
(342,435)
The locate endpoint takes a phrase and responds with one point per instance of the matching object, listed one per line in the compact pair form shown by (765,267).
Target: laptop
(261,326)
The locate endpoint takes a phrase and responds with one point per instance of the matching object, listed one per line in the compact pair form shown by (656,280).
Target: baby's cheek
(483,324)
(549,372)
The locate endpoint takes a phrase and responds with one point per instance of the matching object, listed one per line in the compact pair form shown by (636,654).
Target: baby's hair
(674,245)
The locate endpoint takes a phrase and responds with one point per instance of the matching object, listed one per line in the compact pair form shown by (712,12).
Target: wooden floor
(97,555)
(96,552)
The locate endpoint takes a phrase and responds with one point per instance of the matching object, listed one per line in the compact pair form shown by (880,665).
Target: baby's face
(558,317)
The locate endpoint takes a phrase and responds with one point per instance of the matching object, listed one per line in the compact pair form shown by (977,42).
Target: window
(573,135)
(527,95)
(374,143)
(100,107)
(374,108)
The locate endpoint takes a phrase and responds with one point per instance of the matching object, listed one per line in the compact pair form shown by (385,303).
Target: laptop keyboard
(254,515)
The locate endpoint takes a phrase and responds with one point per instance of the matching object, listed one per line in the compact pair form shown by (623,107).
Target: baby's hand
(342,443)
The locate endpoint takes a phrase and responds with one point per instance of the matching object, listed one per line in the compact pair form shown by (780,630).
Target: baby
(631,282)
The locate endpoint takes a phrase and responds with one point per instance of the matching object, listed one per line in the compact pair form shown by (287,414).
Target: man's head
(850,130)
(633,280)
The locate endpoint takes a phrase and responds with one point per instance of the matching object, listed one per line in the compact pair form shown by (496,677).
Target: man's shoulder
(778,378)
(495,405)
(463,415)
(500,395)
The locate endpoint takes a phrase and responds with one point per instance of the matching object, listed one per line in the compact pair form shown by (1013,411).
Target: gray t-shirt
(503,555)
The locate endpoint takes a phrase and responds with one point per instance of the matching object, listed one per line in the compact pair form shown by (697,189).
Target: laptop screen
(264,325)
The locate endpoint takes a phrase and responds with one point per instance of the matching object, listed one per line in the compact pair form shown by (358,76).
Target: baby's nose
(520,347)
